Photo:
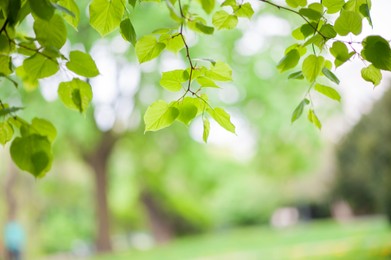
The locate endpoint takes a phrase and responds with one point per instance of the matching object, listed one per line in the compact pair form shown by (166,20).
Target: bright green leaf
(187,110)
(82,64)
(51,33)
(328,92)
(372,74)
(74,19)
(205,134)
(245,10)
(75,94)
(328,31)
(222,118)
(290,60)
(5,65)
(106,15)
(220,71)
(299,110)
(348,22)
(223,20)
(296,75)
(333,6)
(159,115)
(296,3)
(208,5)
(6,132)
(172,80)
(310,13)
(39,66)
(175,43)
(312,66)
(206,82)
(148,48)
(312,117)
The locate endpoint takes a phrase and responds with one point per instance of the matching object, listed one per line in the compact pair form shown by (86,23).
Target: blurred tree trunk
(10,199)
(161,224)
(98,160)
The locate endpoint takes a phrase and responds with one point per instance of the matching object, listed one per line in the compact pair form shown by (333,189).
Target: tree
(39,48)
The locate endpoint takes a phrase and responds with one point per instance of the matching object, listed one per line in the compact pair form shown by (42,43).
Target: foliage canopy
(38,54)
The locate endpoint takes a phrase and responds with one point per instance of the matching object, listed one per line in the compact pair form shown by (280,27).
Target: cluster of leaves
(321,37)
(40,52)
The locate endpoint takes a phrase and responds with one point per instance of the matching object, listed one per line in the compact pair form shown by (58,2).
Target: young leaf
(290,60)
(5,65)
(220,71)
(51,33)
(205,134)
(39,66)
(172,80)
(299,110)
(6,132)
(222,118)
(296,3)
(159,115)
(127,31)
(44,128)
(75,94)
(174,43)
(328,92)
(312,67)
(348,22)
(32,153)
(340,52)
(310,13)
(333,6)
(245,10)
(296,75)
(377,51)
(330,75)
(208,5)
(82,64)
(223,20)
(74,19)
(105,16)
(312,117)
(206,82)
(148,48)
(372,74)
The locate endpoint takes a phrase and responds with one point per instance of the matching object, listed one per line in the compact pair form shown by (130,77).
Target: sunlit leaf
(206,125)
(159,115)
(372,74)
(312,66)
(220,71)
(105,15)
(42,8)
(51,33)
(172,80)
(290,60)
(6,132)
(223,20)
(348,22)
(313,118)
(377,51)
(222,118)
(75,94)
(330,75)
(148,48)
(127,31)
(82,64)
(328,92)
(39,66)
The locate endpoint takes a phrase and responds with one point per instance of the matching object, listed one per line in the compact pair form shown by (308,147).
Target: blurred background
(273,191)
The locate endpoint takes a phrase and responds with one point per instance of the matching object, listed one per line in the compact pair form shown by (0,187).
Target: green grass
(360,239)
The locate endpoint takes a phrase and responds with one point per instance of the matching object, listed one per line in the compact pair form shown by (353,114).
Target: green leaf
(208,5)
(312,66)
(9,110)
(82,64)
(205,134)
(13,11)
(296,3)
(328,31)
(44,128)
(310,13)
(330,75)
(74,19)
(159,115)
(187,110)
(5,65)
(348,22)
(304,31)
(223,20)
(245,10)
(340,52)
(32,153)
(148,48)
(174,43)
(75,94)
(106,15)
(377,51)
(39,66)
(333,6)
(364,10)
(127,31)
(372,74)
(290,60)
(199,25)
(314,119)
(206,82)
(220,71)
(296,75)
(328,92)
(172,80)
(51,33)
(222,118)
(299,110)
(6,132)
(42,8)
